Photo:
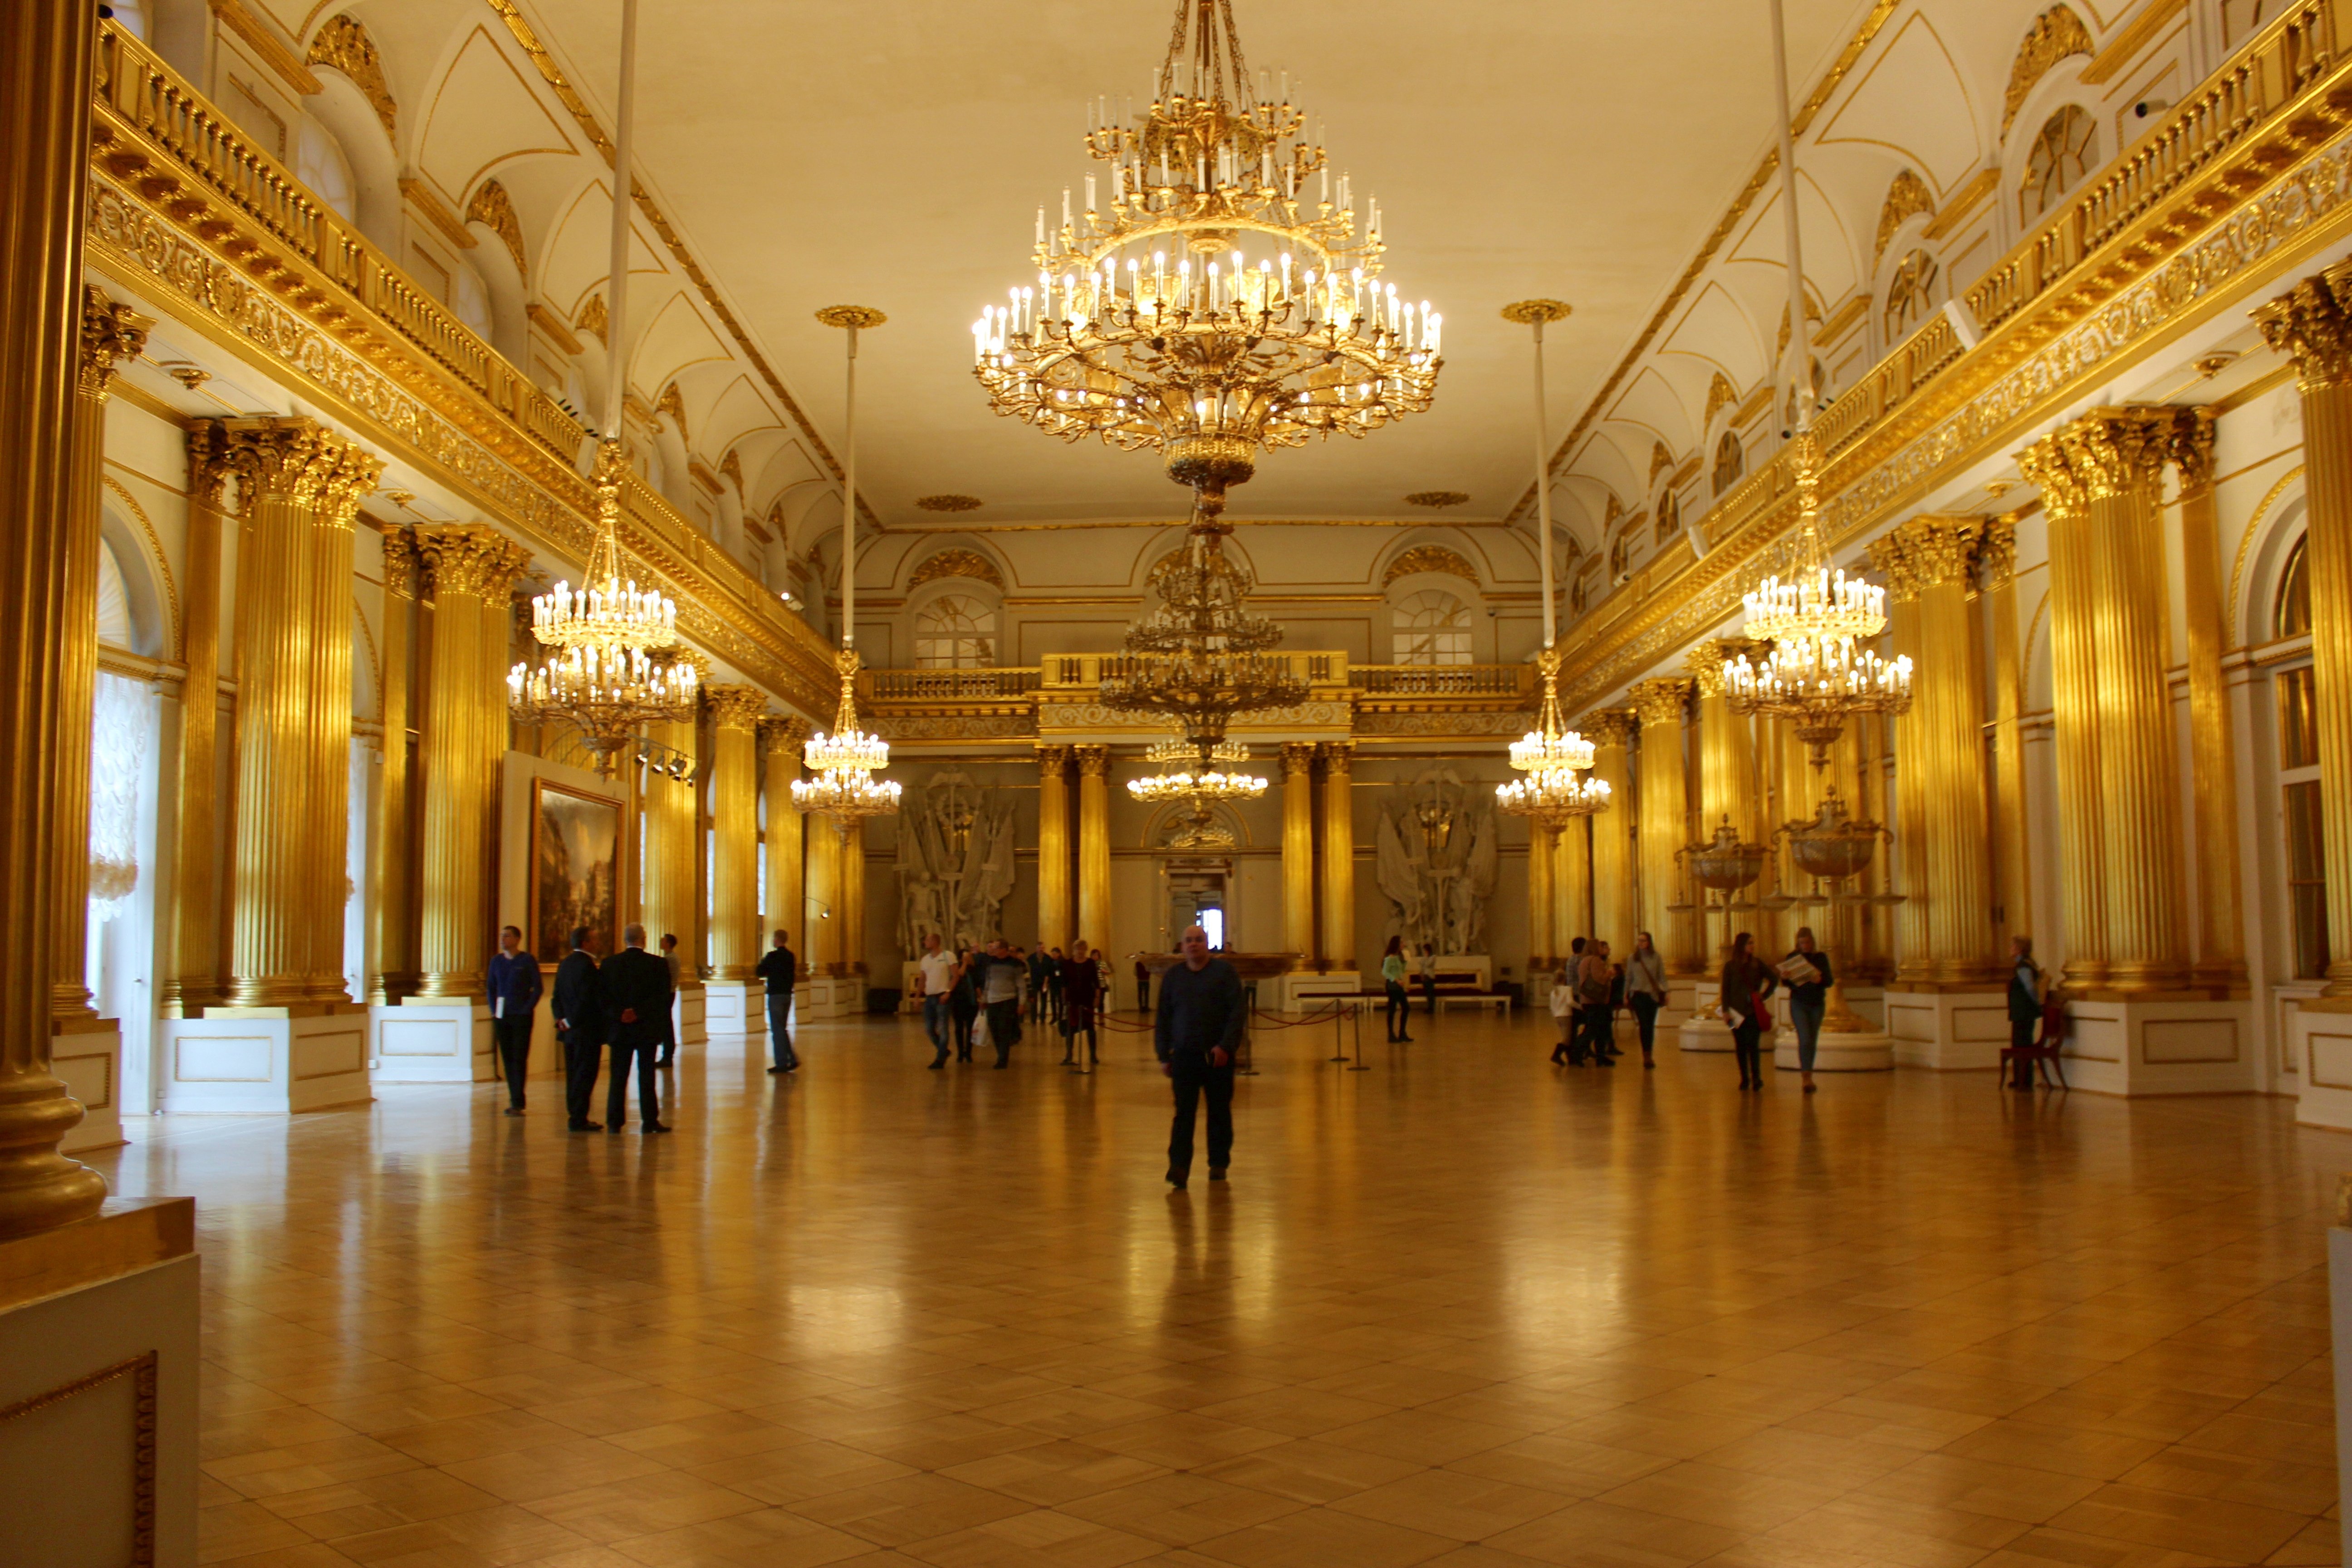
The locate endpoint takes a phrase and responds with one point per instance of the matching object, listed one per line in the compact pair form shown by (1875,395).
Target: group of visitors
(623,1002)
(979,996)
(1591,986)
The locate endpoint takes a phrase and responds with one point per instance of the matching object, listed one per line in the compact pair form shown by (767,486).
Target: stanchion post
(1338,1031)
(1244,1060)
(1356,1014)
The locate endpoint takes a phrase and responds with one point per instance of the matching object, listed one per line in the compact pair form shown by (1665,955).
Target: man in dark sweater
(638,995)
(1198,1030)
(580,1025)
(781,972)
(514,985)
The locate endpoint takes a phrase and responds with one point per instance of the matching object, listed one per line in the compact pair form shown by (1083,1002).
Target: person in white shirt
(935,977)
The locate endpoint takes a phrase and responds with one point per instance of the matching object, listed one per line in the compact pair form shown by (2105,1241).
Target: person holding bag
(1746,983)
(1807,997)
(1645,992)
(1596,980)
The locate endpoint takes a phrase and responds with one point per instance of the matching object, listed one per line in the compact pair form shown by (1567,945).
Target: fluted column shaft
(2011,839)
(1094,846)
(1726,742)
(1299,853)
(787,909)
(393,854)
(472,569)
(193,973)
(1912,963)
(735,944)
(1053,849)
(1339,855)
(853,901)
(672,849)
(1571,885)
(45,127)
(299,483)
(1665,826)
(1543,849)
(1614,915)
(111,332)
(826,920)
(2119,455)
(2073,688)
(2213,772)
(2312,322)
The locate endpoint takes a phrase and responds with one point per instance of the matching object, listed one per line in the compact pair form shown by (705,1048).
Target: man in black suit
(637,994)
(580,1025)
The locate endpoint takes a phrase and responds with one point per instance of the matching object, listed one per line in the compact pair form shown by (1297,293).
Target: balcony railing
(1317,667)
(952,685)
(1475,681)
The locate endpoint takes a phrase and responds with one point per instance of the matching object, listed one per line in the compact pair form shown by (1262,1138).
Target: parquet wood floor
(1463,1308)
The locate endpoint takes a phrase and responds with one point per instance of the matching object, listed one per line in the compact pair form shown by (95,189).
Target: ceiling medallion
(1440,498)
(1218,306)
(947,503)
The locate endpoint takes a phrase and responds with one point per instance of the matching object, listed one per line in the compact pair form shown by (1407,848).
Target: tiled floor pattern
(1463,1308)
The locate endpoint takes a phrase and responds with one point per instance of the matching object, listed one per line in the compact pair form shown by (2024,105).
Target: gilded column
(1094,846)
(1726,742)
(1665,827)
(735,944)
(2213,774)
(1571,885)
(827,920)
(2011,841)
(329,720)
(1913,964)
(2119,456)
(1299,853)
(1054,848)
(2073,690)
(45,129)
(393,854)
(191,973)
(1339,855)
(1614,908)
(472,569)
(111,332)
(787,911)
(2313,323)
(673,845)
(288,471)
(1543,848)
(852,903)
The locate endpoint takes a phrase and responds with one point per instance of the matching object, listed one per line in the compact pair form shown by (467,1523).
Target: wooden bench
(1466,987)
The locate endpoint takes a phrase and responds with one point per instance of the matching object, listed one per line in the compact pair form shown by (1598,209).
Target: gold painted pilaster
(327,875)
(1094,846)
(472,568)
(2213,774)
(394,851)
(673,847)
(45,129)
(735,944)
(827,920)
(191,973)
(1339,855)
(2074,687)
(1054,849)
(1665,825)
(852,901)
(111,332)
(788,909)
(2313,323)
(1615,915)
(1727,750)
(1299,853)
(2011,840)
(1543,850)
(1571,885)
(2119,454)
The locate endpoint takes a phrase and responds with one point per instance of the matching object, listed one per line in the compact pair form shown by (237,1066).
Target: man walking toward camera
(514,997)
(1197,1032)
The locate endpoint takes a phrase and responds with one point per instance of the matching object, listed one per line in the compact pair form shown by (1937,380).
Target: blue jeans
(935,1024)
(780,1028)
(1805,1017)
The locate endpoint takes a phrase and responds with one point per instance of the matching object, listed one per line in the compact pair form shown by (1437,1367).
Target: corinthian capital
(2046,469)
(299,461)
(470,558)
(2312,324)
(111,332)
(1938,551)
(2119,451)
(402,563)
(1707,661)
(1094,762)
(1661,701)
(2190,448)
(785,735)
(1998,551)
(1297,757)
(1607,726)
(735,707)
(1892,556)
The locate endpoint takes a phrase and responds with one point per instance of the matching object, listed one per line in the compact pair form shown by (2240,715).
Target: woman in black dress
(1746,983)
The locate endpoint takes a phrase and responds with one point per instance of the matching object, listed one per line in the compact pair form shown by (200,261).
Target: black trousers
(581,1056)
(513,1038)
(2021,1035)
(1645,1013)
(1004,1028)
(1399,1008)
(780,1028)
(960,1018)
(1429,994)
(1070,1033)
(1601,1028)
(1746,1044)
(616,1097)
(1192,1077)
(1143,993)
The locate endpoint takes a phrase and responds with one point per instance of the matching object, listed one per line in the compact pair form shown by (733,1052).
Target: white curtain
(122,724)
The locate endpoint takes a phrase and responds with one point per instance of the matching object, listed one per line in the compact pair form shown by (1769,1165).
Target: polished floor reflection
(1461,1307)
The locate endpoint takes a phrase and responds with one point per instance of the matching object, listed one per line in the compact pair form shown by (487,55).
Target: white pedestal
(1872,1052)
(432,1040)
(2319,1042)
(1701,1028)
(1948,1031)
(266,1059)
(1304,991)
(689,1018)
(734,1006)
(90,1063)
(821,996)
(2162,1045)
(99,1338)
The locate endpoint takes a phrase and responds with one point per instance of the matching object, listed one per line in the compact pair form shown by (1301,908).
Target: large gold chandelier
(1213,309)
(1201,657)
(1193,773)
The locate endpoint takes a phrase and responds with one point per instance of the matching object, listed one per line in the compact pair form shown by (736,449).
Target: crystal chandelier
(846,761)
(1214,309)
(601,677)
(1193,773)
(1201,657)
(1818,686)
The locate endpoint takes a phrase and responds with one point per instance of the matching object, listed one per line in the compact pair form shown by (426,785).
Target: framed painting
(576,868)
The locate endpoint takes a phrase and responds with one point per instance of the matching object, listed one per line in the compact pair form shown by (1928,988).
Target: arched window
(1730,462)
(1910,295)
(2292,616)
(1432,628)
(1670,517)
(320,164)
(1619,549)
(2064,151)
(114,626)
(955,631)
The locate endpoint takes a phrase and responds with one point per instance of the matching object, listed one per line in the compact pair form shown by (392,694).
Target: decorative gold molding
(1965,200)
(1720,394)
(671,405)
(141,1371)
(491,208)
(956,564)
(420,196)
(1660,460)
(2056,35)
(558,330)
(594,317)
(2126,46)
(1907,198)
(266,46)
(1431,558)
(343,43)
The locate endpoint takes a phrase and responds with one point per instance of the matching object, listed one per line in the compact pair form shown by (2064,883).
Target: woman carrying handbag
(1746,983)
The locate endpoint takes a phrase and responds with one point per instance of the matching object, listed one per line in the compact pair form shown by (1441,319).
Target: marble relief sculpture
(1435,859)
(955,861)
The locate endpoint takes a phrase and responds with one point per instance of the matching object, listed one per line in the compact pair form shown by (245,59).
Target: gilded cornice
(111,332)
(735,707)
(343,43)
(2176,248)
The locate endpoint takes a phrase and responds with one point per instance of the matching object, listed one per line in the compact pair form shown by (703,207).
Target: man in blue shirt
(514,996)
(1198,1030)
